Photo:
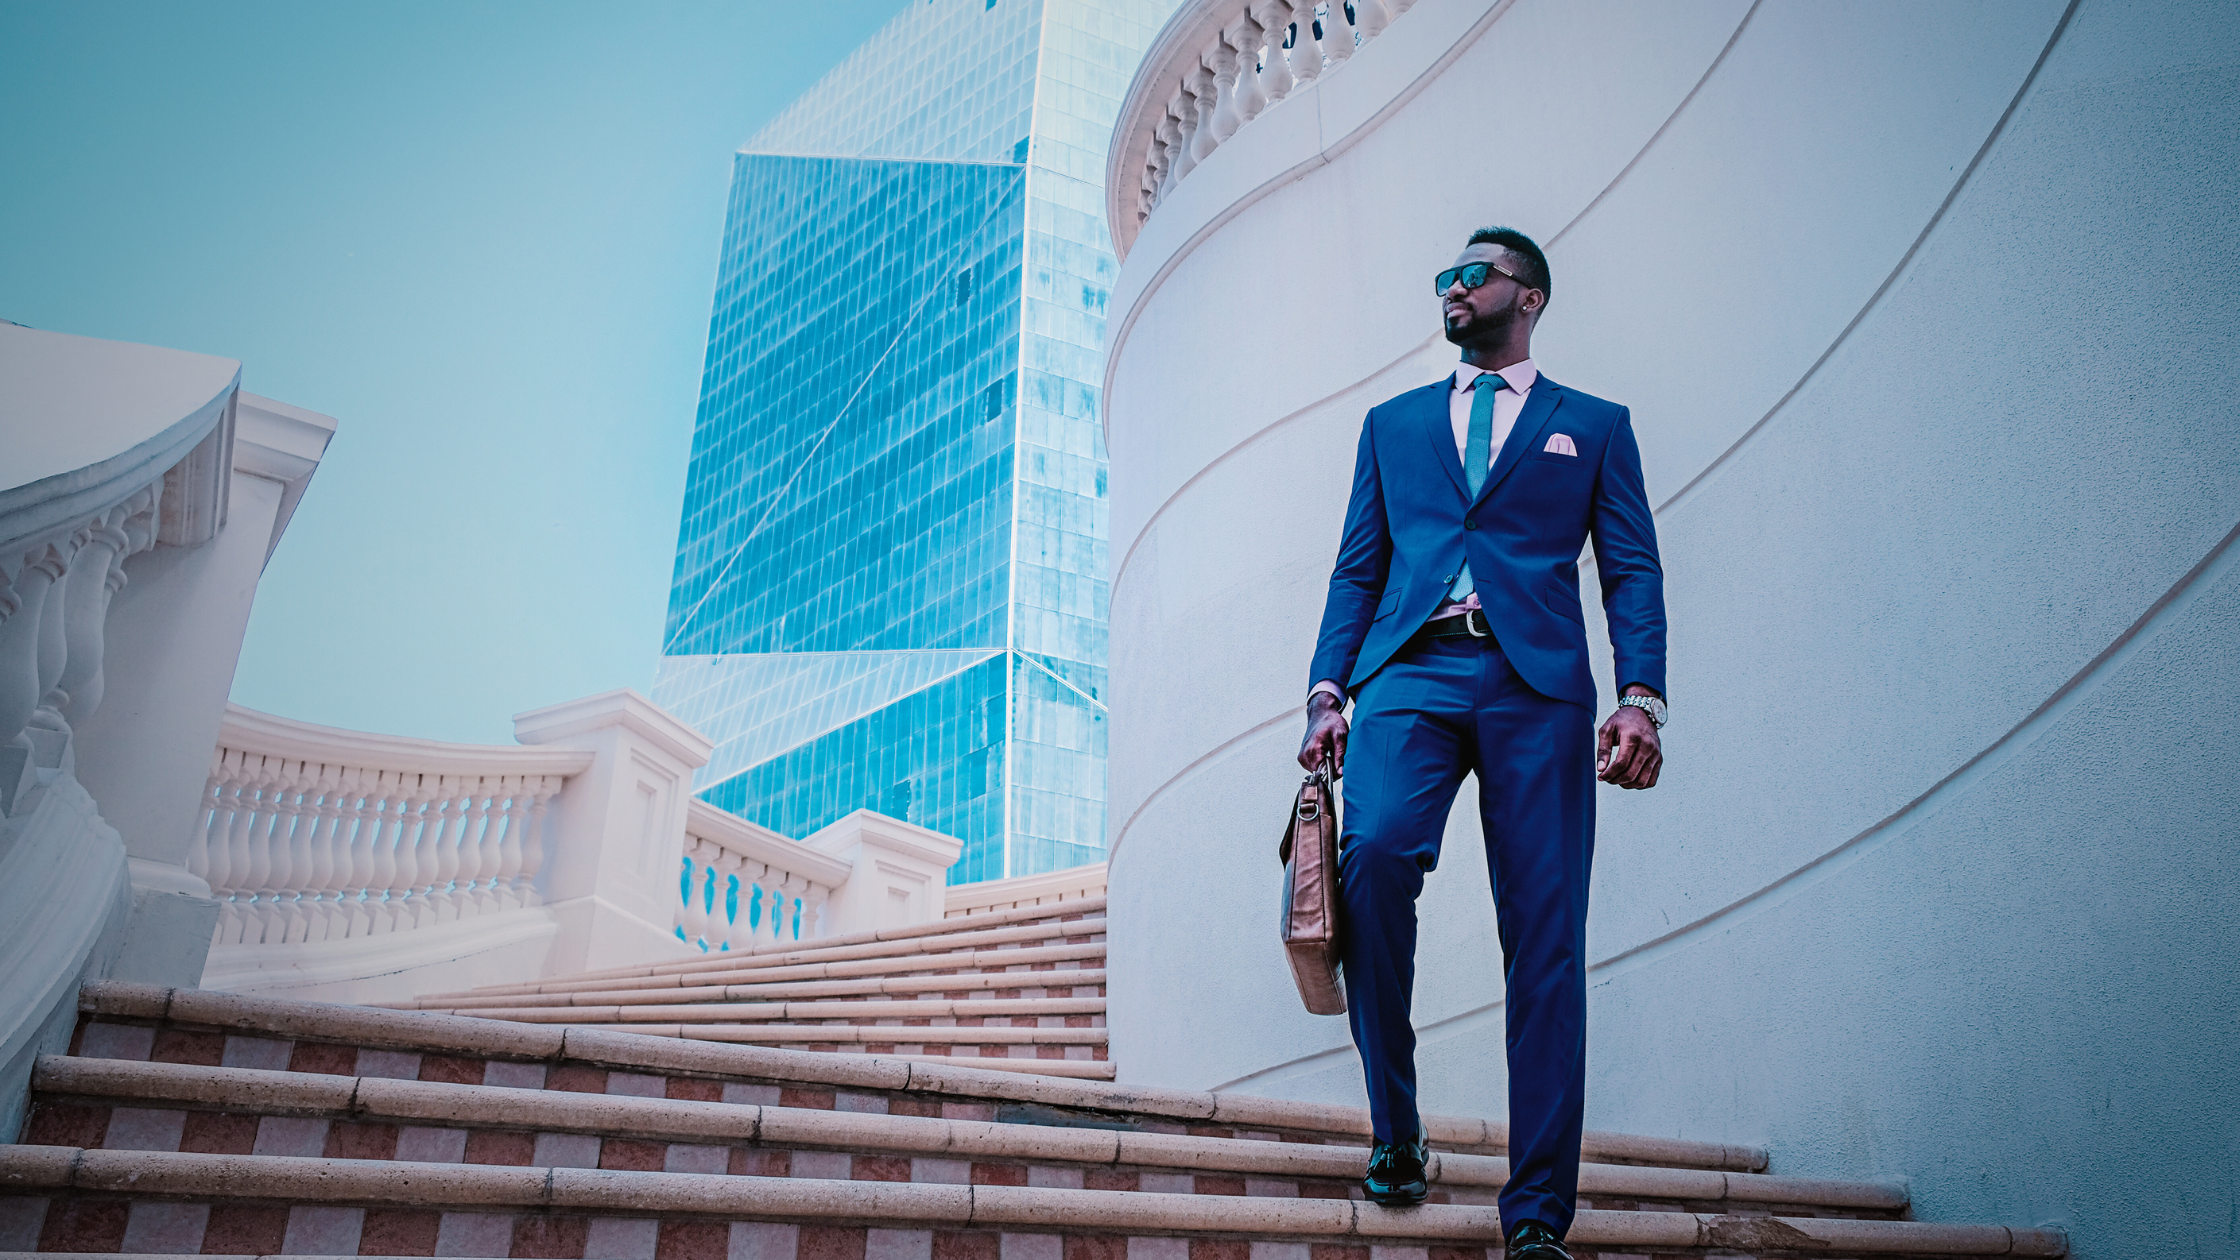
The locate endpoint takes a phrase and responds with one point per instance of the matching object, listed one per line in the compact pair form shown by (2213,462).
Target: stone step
(113,1104)
(66,1198)
(1000,984)
(849,949)
(857,1011)
(1091,1069)
(1051,913)
(855,1034)
(142,1022)
(980,962)
(1046,912)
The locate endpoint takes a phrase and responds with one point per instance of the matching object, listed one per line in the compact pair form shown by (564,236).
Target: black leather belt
(1471,625)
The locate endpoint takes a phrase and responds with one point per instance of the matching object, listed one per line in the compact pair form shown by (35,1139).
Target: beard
(1493,326)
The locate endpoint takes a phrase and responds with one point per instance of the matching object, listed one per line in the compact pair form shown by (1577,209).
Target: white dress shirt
(1507,404)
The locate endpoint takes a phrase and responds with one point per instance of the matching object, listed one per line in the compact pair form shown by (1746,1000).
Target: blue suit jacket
(1412,522)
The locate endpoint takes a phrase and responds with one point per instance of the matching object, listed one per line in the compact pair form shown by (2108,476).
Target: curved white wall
(1927,317)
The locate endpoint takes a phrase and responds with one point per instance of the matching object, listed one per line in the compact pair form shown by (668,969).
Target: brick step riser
(1032,916)
(984,962)
(968,1048)
(930,987)
(113,1224)
(98,1125)
(1076,925)
(141,1042)
(973,1015)
(144,1042)
(78,1095)
(1054,921)
(1083,932)
(189,1026)
(606,1017)
(961,1053)
(337,1059)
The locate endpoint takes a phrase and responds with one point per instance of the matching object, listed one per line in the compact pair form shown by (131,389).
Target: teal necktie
(1477,461)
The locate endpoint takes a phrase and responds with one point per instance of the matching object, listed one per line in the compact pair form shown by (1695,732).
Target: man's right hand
(1326,734)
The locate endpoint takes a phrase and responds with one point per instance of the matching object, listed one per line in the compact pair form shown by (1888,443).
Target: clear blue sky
(482,236)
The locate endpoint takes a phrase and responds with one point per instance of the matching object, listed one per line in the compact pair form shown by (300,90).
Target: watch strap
(1647,704)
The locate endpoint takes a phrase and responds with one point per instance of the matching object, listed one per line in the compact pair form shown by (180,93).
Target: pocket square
(1561,444)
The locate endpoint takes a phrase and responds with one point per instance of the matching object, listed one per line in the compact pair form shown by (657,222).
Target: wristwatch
(1647,704)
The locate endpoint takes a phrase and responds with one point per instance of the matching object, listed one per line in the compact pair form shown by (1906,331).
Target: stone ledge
(295,1180)
(880,985)
(463,1035)
(1029,956)
(382,1099)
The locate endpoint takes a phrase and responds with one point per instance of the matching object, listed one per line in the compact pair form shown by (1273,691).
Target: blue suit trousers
(1441,709)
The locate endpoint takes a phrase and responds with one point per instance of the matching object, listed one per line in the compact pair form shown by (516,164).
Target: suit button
(1470,524)
(1448,579)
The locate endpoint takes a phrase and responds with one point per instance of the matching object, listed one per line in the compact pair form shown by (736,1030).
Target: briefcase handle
(1306,808)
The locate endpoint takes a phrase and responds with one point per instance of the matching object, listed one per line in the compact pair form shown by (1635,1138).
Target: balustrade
(58,575)
(306,839)
(1216,66)
(742,886)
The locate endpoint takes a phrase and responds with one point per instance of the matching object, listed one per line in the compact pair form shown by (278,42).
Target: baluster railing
(1216,66)
(726,914)
(477,857)
(1334,31)
(312,834)
(692,915)
(358,801)
(781,883)
(1248,37)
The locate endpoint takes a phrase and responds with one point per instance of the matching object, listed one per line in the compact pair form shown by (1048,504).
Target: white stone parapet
(361,867)
(744,885)
(900,872)
(1952,564)
(364,867)
(1217,65)
(314,834)
(140,493)
(67,527)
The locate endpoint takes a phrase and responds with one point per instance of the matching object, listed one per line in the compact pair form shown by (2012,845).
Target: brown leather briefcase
(1310,896)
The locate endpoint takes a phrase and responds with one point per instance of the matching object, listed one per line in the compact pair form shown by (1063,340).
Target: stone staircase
(1019,990)
(191,1121)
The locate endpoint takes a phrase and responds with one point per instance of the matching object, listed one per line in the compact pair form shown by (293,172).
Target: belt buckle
(1472,626)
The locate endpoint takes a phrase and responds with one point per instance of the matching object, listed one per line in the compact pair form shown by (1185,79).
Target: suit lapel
(1539,408)
(1437,426)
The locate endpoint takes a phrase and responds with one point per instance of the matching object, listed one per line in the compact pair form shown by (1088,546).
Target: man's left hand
(1628,753)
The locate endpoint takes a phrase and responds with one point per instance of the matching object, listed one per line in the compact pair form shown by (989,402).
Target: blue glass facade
(890,587)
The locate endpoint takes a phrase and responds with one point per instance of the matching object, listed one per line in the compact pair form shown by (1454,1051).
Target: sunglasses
(1471,274)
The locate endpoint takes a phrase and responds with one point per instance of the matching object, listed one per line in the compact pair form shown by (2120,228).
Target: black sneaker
(1531,1240)
(1396,1173)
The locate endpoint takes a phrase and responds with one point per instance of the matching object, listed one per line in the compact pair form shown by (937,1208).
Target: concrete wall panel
(1941,880)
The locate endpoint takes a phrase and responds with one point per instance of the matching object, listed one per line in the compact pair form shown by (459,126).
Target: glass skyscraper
(890,588)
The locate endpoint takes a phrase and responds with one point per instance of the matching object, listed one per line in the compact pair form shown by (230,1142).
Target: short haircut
(1535,270)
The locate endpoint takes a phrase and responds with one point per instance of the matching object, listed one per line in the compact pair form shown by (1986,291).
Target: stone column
(614,838)
(901,873)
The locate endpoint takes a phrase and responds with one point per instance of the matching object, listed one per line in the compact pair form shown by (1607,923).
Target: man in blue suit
(1453,622)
